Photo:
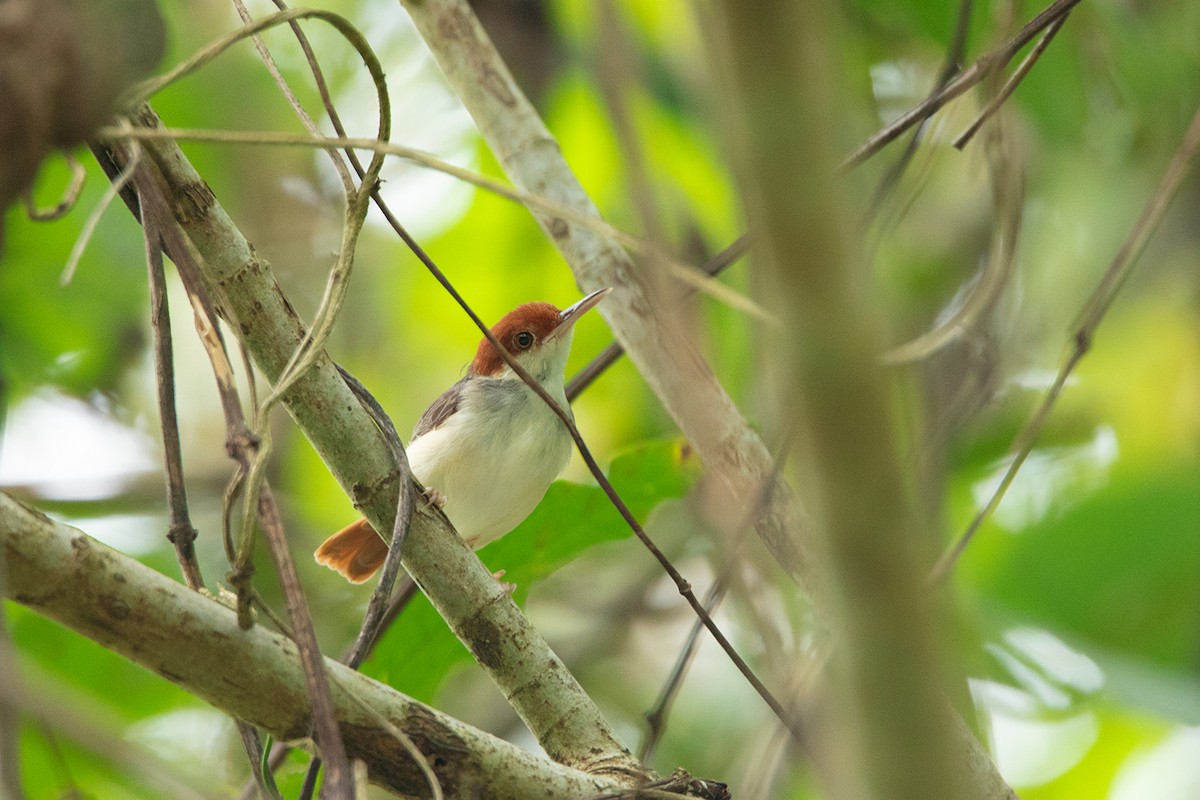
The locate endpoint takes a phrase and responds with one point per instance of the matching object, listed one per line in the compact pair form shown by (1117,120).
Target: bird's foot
(434,497)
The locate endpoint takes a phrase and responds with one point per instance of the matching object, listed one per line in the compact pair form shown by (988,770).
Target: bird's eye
(524,340)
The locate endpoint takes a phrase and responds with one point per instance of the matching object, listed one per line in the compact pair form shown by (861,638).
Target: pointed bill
(571,314)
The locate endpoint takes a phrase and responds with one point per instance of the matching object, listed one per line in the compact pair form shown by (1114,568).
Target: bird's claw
(434,497)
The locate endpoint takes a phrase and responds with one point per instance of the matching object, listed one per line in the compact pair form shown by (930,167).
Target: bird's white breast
(494,458)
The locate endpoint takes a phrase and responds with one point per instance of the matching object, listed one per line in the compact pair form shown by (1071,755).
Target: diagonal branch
(255,675)
(665,355)
(561,716)
(983,67)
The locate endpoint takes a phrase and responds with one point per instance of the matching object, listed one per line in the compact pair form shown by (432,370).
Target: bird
(489,447)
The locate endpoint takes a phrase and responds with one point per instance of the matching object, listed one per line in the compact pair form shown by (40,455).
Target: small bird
(489,447)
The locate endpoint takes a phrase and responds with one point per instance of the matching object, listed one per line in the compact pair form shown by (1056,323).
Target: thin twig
(679,270)
(339,777)
(1089,320)
(268,60)
(66,202)
(681,584)
(377,608)
(656,717)
(951,64)
(1008,190)
(161,231)
(609,355)
(93,220)
(1013,81)
(181,532)
(983,67)
(254,752)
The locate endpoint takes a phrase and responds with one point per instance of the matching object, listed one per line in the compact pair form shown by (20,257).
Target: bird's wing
(440,410)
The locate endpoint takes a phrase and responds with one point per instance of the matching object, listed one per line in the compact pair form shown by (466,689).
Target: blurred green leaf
(80,337)
(1119,568)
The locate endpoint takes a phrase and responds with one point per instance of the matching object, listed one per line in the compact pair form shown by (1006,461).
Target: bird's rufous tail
(355,551)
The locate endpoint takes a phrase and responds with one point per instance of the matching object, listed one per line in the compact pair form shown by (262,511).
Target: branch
(983,67)
(545,695)
(889,734)
(664,354)
(1087,323)
(699,279)
(255,674)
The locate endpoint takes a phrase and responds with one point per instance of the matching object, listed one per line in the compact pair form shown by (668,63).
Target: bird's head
(538,335)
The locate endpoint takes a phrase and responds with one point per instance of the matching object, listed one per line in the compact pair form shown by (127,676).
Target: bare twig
(656,717)
(66,203)
(982,68)
(1088,321)
(668,358)
(678,270)
(1008,188)
(339,778)
(951,64)
(89,227)
(268,60)
(181,533)
(1013,81)
(378,609)
(594,368)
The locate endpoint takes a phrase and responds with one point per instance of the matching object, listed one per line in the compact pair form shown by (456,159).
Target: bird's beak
(571,314)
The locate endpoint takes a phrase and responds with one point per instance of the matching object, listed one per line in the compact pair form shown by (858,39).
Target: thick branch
(559,713)
(255,674)
(667,359)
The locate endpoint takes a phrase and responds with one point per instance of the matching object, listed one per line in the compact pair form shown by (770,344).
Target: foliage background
(1078,607)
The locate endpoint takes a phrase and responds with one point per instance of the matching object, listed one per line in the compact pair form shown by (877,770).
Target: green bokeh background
(1099,547)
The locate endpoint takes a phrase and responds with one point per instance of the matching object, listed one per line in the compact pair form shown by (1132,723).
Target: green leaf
(419,651)
(1118,568)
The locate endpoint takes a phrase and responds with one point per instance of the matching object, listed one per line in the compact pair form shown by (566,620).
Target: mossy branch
(255,675)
